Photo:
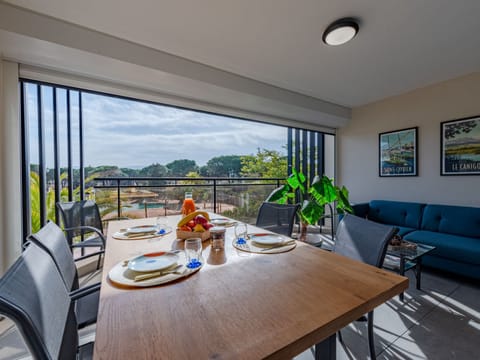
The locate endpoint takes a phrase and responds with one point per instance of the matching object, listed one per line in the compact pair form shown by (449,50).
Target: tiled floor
(441,321)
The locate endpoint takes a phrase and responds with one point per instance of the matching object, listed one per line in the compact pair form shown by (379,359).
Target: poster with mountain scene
(461,147)
(398,153)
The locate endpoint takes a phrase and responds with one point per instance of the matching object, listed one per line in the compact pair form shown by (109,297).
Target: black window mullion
(297,149)
(80,133)
(42,172)
(56,152)
(311,161)
(69,149)
(321,153)
(304,155)
(289,150)
(27,218)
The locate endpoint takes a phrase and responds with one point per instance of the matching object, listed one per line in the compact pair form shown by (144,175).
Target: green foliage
(154,170)
(266,163)
(321,192)
(222,166)
(181,167)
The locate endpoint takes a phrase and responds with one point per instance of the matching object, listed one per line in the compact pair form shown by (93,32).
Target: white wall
(426,108)
(10,167)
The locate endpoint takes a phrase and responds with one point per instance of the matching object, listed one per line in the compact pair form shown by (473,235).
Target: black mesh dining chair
(33,295)
(365,241)
(82,225)
(52,240)
(277,218)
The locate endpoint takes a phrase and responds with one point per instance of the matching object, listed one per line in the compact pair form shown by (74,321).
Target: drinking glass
(193,251)
(162,227)
(241,233)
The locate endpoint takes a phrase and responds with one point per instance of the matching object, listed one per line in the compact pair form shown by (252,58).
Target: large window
(73,136)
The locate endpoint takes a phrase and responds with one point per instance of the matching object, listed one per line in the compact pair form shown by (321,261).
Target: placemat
(121,275)
(253,247)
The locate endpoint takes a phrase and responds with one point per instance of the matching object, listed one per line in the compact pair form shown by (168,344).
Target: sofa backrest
(456,220)
(398,213)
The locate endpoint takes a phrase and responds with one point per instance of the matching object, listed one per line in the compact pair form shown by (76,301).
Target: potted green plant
(313,199)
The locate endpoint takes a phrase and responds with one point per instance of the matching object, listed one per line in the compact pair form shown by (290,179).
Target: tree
(182,167)
(223,166)
(154,170)
(266,163)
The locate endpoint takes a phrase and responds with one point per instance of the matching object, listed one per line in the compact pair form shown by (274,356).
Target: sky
(135,134)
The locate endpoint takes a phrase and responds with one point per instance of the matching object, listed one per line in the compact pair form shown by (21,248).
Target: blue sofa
(453,230)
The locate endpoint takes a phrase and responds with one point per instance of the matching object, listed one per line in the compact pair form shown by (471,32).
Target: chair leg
(99,260)
(371,342)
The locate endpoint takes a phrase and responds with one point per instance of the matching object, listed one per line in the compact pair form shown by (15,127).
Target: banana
(191,216)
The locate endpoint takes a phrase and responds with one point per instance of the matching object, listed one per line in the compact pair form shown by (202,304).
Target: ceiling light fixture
(341,31)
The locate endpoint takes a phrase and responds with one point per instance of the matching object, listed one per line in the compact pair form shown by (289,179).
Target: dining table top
(239,305)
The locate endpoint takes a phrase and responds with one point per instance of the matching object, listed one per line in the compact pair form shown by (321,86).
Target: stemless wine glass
(193,251)
(241,233)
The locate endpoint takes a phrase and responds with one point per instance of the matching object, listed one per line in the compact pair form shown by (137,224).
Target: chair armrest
(91,228)
(84,291)
(96,253)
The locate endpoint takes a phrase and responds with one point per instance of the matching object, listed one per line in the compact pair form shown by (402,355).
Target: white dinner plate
(142,229)
(220,221)
(153,261)
(268,239)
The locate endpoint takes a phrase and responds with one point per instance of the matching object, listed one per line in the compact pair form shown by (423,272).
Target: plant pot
(303,232)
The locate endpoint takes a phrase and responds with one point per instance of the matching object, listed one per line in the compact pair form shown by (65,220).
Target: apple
(208,226)
(200,219)
(191,223)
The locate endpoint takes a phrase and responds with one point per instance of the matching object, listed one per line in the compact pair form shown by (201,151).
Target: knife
(157,274)
(288,243)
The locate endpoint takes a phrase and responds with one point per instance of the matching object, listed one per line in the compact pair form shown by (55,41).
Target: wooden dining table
(239,305)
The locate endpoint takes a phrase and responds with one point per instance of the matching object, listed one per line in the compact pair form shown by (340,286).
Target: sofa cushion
(403,230)
(460,248)
(456,220)
(404,214)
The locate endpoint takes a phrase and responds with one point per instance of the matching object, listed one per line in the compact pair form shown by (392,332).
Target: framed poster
(460,149)
(398,153)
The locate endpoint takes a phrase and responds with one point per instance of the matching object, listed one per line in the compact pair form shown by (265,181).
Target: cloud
(131,133)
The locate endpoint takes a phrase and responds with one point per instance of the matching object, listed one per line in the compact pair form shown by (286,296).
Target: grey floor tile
(445,333)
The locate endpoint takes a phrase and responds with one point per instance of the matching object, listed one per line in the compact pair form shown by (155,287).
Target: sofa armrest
(361,209)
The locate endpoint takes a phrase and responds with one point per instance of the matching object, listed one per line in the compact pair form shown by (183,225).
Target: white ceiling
(401,45)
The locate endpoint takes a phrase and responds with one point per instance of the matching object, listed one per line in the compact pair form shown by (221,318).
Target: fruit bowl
(194,225)
(182,235)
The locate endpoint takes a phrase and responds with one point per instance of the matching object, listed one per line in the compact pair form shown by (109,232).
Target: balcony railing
(153,196)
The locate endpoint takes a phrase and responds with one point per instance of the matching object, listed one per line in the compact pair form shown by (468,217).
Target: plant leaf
(311,212)
(323,190)
(343,205)
(279,195)
(296,181)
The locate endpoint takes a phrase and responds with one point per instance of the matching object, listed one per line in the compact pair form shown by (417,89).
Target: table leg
(418,272)
(327,349)
(402,272)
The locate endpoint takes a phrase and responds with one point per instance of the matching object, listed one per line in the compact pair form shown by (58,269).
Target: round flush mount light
(341,31)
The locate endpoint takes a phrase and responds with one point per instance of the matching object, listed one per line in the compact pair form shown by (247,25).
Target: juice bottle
(188,204)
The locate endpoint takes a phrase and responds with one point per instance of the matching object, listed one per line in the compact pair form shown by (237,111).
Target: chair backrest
(52,239)
(278,218)
(79,213)
(33,295)
(363,240)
